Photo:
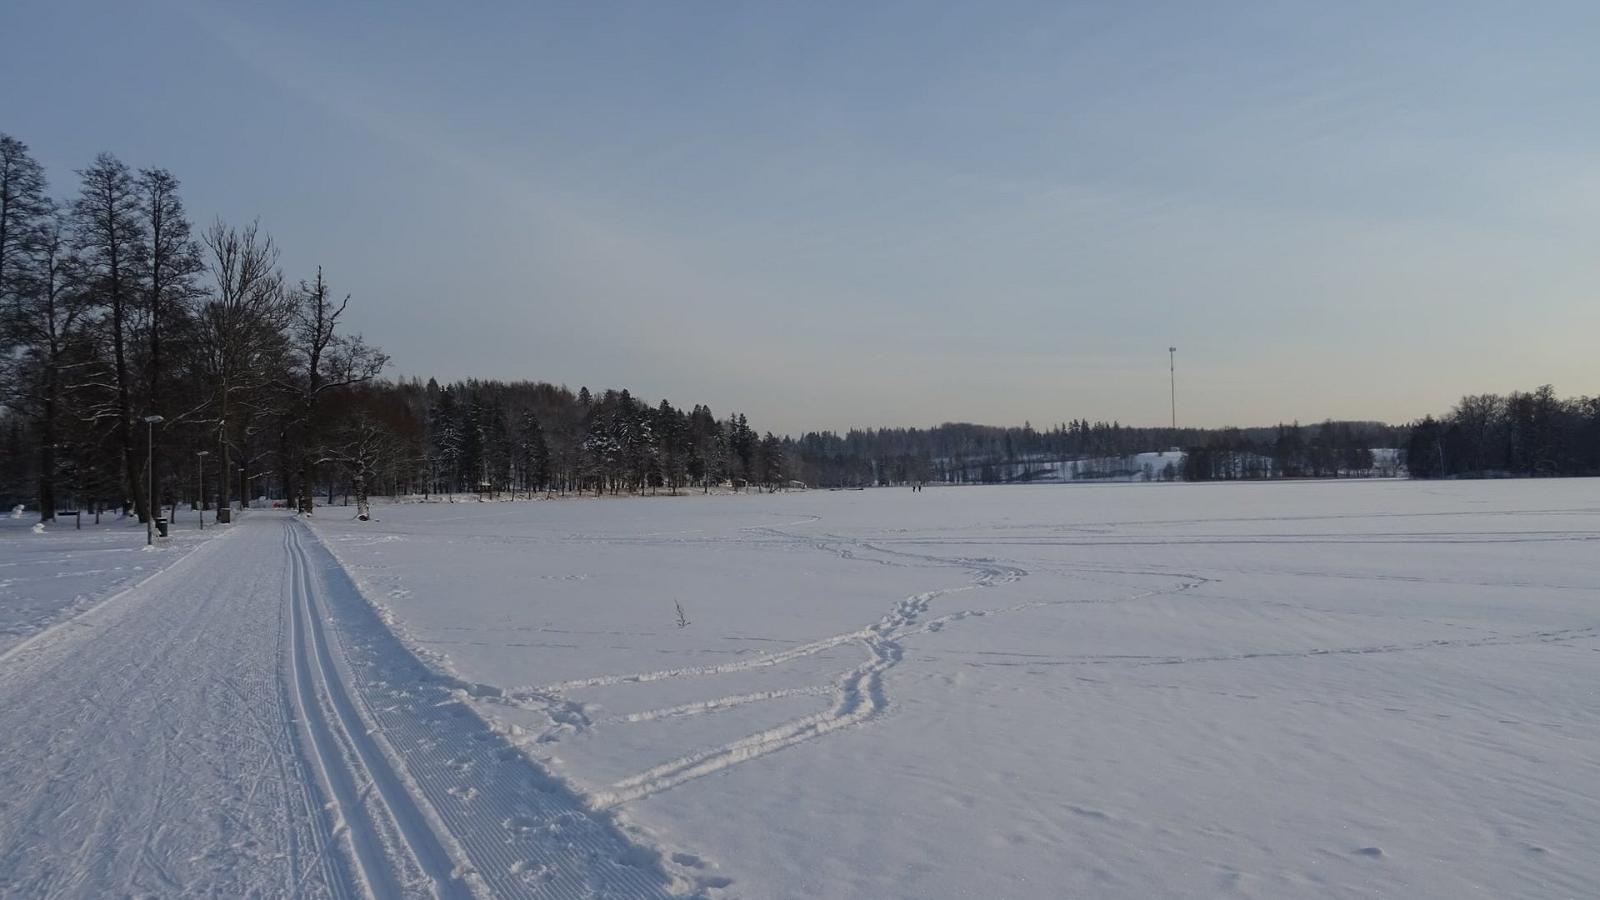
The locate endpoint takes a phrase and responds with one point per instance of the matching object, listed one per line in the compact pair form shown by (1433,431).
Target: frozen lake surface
(1350,689)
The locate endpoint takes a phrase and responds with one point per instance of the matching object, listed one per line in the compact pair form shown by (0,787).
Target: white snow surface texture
(1314,689)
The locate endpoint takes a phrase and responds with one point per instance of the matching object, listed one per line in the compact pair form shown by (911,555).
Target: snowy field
(1352,689)
(48,577)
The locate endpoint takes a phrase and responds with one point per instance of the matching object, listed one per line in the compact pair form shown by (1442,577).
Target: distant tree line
(960,452)
(1521,434)
(493,438)
(1330,450)
(965,453)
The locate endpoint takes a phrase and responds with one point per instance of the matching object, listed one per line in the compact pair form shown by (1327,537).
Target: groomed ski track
(242,724)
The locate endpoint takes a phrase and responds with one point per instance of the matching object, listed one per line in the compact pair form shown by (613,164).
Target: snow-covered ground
(1356,689)
(240,724)
(49,576)
(1364,688)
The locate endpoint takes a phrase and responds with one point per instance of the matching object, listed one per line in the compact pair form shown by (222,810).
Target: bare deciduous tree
(242,327)
(361,445)
(325,361)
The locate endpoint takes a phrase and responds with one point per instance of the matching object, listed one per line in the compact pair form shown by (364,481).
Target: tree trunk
(307,485)
(130,462)
(226,474)
(152,400)
(287,466)
(47,454)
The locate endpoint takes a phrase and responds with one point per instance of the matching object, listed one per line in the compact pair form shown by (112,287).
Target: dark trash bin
(225,515)
(161,525)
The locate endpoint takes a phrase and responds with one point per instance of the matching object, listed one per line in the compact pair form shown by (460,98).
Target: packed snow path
(242,724)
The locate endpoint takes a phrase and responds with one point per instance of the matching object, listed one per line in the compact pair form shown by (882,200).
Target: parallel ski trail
(148,747)
(243,724)
(342,777)
(513,830)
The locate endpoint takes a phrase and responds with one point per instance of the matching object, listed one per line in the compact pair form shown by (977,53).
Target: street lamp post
(150,423)
(200,471)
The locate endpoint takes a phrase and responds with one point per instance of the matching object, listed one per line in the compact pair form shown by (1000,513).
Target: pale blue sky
(836,214)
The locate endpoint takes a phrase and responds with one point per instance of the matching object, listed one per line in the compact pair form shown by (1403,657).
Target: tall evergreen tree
(171,260)
(533,454)
(110,238)
(24,207)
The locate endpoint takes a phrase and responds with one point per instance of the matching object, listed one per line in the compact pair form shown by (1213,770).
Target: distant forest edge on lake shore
(132,349)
